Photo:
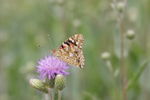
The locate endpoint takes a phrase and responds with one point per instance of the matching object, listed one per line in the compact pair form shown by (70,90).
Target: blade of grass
(137,75)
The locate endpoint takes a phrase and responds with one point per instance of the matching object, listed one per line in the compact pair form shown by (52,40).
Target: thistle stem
(46,97)
(123,69)
(59,95)
(50,95)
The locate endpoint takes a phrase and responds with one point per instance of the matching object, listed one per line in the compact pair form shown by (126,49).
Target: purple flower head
(50,66)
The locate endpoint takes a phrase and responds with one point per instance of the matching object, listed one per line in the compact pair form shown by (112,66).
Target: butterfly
(70,51)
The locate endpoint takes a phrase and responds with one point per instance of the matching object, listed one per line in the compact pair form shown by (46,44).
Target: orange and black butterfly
(71,52)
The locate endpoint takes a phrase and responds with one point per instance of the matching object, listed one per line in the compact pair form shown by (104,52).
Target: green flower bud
(120,6)
(39,85)
(105,56)
(60,82)
(130,34)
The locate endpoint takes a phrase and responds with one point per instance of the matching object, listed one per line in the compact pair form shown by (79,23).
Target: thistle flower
(51,66)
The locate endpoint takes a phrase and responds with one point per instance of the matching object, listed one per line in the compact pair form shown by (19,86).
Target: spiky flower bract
(50,66)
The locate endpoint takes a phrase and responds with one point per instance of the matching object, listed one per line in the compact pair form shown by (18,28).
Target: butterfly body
(71,52)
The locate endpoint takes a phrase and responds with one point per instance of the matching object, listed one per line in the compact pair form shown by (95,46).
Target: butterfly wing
(71,51)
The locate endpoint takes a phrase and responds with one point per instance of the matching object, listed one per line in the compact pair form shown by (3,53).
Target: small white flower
(105,55)
(130,34)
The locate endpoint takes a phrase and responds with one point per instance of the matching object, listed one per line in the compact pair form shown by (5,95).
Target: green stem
(46,96)
(59,95)
(123,69)
(50,94)
(110,68)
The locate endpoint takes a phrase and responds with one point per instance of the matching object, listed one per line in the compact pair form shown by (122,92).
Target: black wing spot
(72,42)
(62,46)
(67,43)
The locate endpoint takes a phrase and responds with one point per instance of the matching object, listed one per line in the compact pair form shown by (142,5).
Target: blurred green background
(30,29)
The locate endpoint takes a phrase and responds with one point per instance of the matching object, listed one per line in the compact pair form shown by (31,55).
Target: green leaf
(137,75)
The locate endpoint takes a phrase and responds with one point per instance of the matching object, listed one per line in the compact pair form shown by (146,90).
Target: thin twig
(123,69)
